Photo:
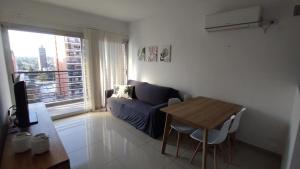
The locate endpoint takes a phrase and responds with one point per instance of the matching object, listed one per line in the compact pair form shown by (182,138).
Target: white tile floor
(101,141)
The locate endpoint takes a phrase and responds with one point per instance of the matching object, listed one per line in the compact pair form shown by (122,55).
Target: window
(48,63)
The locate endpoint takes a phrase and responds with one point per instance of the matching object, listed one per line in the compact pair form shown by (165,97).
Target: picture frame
(165,53)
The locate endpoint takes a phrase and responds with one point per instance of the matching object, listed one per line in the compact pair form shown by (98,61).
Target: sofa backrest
(134,82)
(154,94)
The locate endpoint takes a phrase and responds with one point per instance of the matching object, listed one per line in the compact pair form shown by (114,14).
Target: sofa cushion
(153,94)
(123,91)
(134,82)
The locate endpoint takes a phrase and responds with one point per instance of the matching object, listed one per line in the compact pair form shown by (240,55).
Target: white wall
(243,66)
(49,16)
(291,154)
(5,97)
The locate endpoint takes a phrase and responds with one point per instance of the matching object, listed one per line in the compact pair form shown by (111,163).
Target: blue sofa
(143,111)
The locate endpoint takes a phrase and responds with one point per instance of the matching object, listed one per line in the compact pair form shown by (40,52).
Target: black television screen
(22,111)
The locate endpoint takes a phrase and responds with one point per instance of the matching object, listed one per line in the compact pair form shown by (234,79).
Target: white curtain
(105,65)
(93,42)
(113,63)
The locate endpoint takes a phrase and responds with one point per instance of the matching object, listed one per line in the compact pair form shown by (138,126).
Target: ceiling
(132,10)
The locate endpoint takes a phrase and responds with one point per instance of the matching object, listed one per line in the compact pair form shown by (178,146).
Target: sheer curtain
(113,63)
(105,65)
(93,43)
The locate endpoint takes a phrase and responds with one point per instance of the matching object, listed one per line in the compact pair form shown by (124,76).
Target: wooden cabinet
(55,158)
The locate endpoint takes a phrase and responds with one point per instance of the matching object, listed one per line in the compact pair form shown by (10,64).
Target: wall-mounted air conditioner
(236,19)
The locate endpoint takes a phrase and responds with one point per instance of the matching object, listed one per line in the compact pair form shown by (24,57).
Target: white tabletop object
(21,142)
(39,143)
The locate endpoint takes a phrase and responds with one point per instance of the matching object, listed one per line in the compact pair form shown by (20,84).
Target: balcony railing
(72,40)
(53,86)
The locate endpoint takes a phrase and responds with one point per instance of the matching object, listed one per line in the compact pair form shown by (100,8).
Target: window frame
(5,26)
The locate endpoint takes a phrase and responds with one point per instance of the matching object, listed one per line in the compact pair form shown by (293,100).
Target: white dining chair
(231,133)
(236,122)
(179,127)
(214,138)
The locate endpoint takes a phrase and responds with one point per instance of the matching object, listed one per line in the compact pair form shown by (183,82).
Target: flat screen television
(24,117)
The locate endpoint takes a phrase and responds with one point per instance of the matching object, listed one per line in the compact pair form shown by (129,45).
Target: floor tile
(173,165)
(115,164)
(75,137)
(145,158)
(94,156)
(102,141)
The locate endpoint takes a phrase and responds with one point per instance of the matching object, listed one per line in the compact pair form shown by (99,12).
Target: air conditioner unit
(236,19)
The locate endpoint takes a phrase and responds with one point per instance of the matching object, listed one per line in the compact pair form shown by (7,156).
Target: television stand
(55,158)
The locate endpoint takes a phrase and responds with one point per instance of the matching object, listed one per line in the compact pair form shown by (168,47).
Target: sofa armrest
(108,94)
(157,121)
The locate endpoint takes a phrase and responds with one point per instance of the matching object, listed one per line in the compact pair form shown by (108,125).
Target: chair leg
(170,132)
(179,136)
(222,151)
(232,139)
(230,143)
(195,152)
(229,149)
(215,156)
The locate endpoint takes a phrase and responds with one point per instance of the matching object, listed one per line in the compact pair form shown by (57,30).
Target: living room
(254,66)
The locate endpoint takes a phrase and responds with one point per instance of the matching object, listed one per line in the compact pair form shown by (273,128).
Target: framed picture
(165,53)
(141,54)
(152,54)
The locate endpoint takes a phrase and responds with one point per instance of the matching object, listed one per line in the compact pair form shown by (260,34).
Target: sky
(27,43)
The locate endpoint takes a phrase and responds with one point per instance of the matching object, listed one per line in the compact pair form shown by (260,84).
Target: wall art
(165,53)
(152,54)
(141,54)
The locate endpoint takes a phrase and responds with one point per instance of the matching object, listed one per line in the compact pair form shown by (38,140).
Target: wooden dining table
(199,112)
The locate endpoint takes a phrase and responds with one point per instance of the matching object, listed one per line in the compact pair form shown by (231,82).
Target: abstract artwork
(152,54)
(142,53)
(165,53)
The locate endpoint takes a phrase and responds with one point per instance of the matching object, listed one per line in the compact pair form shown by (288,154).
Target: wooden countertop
(202,112)
(56,157)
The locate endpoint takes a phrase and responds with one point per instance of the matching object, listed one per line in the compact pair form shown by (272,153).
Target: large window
(50,65)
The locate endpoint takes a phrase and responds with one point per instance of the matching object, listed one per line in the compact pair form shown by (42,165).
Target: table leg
(204,151)
(166,132)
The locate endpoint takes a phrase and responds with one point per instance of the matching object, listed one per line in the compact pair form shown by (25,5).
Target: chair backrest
(236,121)
(224,131)
(173,101)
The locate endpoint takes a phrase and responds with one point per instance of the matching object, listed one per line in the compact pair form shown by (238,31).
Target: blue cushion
(153,94)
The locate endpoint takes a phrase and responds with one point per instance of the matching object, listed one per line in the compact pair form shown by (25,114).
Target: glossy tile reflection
(101,141)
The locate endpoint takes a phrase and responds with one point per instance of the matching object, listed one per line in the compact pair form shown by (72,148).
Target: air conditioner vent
(240,18)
